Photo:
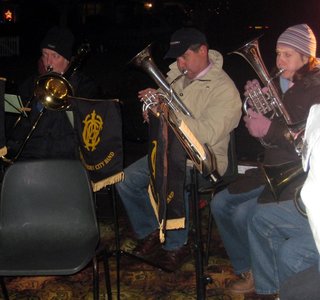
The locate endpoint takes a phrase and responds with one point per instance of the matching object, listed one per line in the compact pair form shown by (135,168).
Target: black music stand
(117,252)
(202,280)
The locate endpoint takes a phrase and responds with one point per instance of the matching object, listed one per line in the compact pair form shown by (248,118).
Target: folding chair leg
(209,235)
(4,289)
(117,236)
(107,274)
(95,266)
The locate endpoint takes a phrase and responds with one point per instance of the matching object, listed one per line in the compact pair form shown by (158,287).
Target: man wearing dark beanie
(54,136)
(56,48)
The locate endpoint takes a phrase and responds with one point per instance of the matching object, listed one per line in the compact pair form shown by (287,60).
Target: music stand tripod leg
(201,279)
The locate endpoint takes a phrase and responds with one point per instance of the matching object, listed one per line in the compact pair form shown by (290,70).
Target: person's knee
(240,217)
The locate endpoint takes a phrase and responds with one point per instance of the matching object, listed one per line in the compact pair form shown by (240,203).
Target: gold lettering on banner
(100,164)
(93,125)
(153,158)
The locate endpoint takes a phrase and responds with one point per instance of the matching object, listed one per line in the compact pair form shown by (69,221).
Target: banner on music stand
(99,127)
(167,164)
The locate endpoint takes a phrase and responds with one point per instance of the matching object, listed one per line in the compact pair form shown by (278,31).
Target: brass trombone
(54,92)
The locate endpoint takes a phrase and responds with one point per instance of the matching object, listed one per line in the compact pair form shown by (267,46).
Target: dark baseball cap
(182,39)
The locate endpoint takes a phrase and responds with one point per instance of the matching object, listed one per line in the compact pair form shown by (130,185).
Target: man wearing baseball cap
(210,95)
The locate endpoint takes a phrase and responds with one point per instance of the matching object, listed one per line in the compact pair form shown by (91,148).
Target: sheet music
(12,103)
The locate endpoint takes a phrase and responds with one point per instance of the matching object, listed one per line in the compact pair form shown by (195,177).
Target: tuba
(199,153)
(270,104)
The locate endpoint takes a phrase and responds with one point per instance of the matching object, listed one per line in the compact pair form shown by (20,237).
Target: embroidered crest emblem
(93,125)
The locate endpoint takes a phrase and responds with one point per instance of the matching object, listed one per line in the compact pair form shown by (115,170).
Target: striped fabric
(301,38)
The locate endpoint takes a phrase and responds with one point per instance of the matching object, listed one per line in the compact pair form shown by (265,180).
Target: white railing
(9,46)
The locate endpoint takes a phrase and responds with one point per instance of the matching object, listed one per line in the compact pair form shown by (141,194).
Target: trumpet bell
(53,91)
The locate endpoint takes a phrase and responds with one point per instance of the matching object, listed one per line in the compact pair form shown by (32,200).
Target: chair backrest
(207,186)
(232,169)
(48,224)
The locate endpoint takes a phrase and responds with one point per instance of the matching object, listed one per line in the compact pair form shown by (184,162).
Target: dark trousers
(304,285)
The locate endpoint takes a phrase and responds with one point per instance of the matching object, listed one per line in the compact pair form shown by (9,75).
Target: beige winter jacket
(215,104)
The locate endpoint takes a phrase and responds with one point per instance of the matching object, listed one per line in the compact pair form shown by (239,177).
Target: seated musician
(54,135)
(213,100)
(262,234)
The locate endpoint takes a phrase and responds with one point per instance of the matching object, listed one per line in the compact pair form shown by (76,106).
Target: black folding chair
(48,223)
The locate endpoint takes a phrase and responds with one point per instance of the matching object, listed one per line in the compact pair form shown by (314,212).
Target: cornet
(270,104)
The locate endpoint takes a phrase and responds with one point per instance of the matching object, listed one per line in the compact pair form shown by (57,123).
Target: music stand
(202,280)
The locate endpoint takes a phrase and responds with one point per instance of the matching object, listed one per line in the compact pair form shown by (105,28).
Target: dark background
(118,29)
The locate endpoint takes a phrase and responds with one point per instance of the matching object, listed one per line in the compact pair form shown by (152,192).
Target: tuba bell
(199,153)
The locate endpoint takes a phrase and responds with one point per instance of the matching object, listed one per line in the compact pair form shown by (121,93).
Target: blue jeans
(133,192)
(231,212)
(281,244)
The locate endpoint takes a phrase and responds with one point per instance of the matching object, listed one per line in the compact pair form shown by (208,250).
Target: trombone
(54,92)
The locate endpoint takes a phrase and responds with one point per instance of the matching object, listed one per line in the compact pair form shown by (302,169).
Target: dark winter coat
(297,100)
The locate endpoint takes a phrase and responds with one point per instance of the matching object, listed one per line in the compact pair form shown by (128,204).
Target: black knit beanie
(60,40)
